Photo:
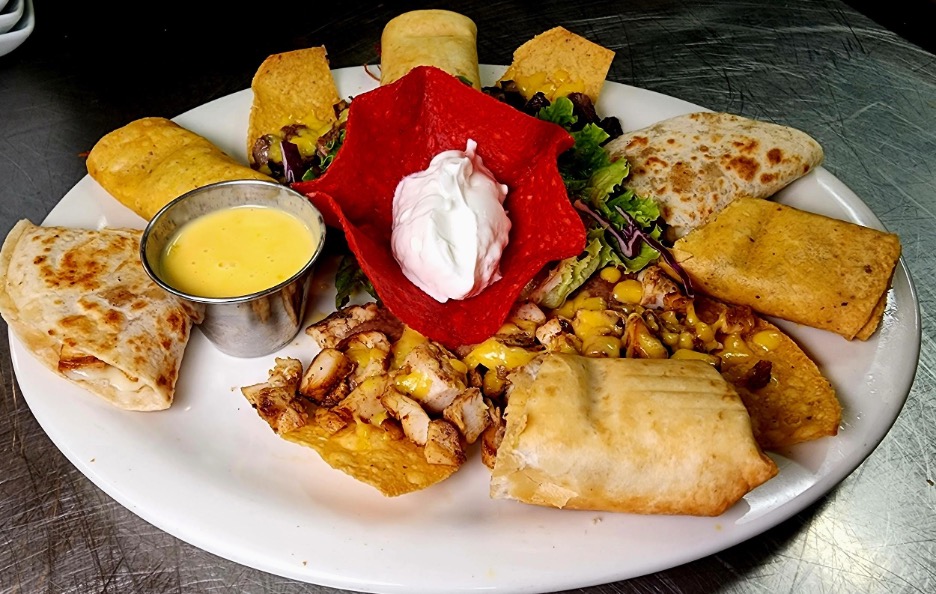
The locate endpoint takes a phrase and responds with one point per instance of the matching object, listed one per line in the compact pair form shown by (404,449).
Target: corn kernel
(611,274)
(628,291)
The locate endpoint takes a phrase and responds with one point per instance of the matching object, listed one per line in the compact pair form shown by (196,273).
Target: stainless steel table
(867,94)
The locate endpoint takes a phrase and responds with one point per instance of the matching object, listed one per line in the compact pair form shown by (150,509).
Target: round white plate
(11,15)
(212,473)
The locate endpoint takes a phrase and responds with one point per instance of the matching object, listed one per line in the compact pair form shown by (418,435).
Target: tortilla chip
(292,88)
(440,38)
(696,164)
(395,130)
(151,161)
(386,460)
(559,62)
(795,265)
(797,405)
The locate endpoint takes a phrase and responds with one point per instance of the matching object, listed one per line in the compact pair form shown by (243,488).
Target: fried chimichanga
(645,436)
(795,265)
(151,161)
(440,38)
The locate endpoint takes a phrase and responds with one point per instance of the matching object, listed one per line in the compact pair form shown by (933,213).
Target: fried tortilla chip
(696,164)
(626,435)
(292,88)
(558,62)
(789,399)
(386,460)
(151,161)
(795,265)
(440,38)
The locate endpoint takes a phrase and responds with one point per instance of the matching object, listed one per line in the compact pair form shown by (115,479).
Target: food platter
(210,472)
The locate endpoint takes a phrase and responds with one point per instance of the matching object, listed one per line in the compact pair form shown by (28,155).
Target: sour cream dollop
(449,225)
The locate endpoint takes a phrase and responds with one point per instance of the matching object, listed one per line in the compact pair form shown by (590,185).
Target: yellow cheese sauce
(237,251)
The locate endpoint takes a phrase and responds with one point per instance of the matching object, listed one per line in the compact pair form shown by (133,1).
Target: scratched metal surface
(866,94)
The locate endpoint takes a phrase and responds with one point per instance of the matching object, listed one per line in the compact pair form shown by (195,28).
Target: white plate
(19,29)
(210,472)
(11,15)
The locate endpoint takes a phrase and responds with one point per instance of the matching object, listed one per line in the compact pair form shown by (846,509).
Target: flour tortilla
(80,301)
(626,435)
(440,38)
(695,165)
(792,264)
(151,161)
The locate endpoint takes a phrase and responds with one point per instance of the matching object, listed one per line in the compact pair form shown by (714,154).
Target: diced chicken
(324,380)
(639,342)
(528,313)
(345,322)
(341,324)
(660,291)
(558,336)
(370,352)
(276,400)
(443,444)
(439,382)
(364,401)
(412,417)
(469,414)
(329,420)
(492,436)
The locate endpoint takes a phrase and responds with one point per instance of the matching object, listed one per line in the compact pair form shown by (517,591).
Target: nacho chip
(395,130)
(292,88)
(386,460)
(798,404)
(559,62)
(151,161)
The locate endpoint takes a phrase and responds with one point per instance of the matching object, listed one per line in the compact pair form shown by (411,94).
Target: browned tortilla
(440,38)
(694,165)
(645,436)
(82,304)
(794,265)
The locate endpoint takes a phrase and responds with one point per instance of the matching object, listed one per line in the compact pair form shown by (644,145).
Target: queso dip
(236,251)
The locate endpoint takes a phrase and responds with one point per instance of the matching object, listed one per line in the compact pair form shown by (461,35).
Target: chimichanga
(643,436)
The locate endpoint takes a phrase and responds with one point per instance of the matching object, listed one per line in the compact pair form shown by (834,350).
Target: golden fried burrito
(644,436)
(151,161)
(440,38)
(795,265)
(80,301)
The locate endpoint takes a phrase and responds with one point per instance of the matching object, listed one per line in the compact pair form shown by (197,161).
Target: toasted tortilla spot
(774,155)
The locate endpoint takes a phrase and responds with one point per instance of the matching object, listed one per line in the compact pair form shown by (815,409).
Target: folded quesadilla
(440,38)
(799,266)
(151,161)
(80,301)
(626,435)
(696,164)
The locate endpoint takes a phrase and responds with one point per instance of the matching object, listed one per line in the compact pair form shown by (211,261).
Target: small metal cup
(249,325)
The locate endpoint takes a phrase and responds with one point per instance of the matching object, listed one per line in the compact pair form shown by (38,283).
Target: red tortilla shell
(394,131)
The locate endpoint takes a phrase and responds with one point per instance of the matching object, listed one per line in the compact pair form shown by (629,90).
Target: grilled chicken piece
(527,314)
(492,436)
(433,365)
(345,322)
(639,342)
(469,414)
(364,401)
(370,352)
(660,291)
(276,400)
(443,444)
(412,417)
(324,380)
(558,336)
(329,420)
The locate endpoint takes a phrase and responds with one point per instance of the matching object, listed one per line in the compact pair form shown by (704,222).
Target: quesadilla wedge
(696,164)
(82,304)
(626,435)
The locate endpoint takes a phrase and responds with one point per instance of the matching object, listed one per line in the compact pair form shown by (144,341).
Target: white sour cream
(449,225)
